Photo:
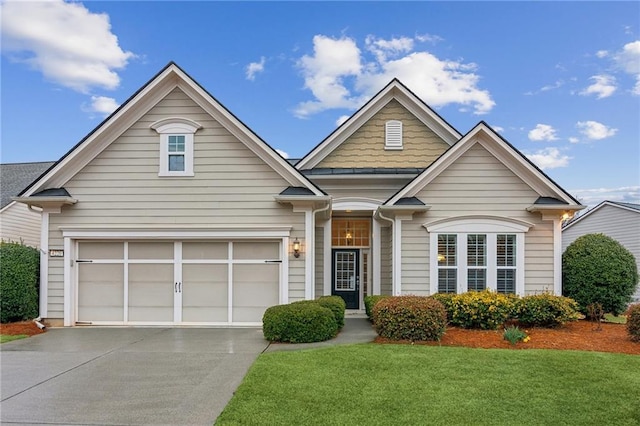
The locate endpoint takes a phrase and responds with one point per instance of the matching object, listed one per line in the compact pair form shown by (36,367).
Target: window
(474,255)
(176,145)
(393,135)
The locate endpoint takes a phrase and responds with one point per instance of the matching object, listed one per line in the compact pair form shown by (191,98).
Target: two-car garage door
(176,282)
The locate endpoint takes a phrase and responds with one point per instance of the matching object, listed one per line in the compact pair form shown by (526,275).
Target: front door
(346,276)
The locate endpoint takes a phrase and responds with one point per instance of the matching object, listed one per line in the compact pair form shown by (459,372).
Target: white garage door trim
(74,235)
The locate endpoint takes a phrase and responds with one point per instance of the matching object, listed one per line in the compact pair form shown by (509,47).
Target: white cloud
(103,105)
(573,139)
(603,86)
(428,38)
(629,61)
(498,129)
(340,75)
(594,196)
(65,41)
(543,132)
(594,130)
(602,53)
(342,119)
(254,68)
(549,158)
(282,153)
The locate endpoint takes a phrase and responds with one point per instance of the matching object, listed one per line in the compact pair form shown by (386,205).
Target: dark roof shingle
(14,177)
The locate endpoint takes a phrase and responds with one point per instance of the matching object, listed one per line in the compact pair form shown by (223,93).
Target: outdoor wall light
(296,248)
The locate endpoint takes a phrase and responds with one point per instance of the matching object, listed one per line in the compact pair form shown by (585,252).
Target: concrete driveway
(124,376)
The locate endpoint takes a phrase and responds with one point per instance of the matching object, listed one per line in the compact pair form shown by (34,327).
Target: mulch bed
(24,327)
(578,335)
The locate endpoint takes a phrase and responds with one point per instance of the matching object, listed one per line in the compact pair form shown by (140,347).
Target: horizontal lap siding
(19,224)
(319,262)
(365,147)
(121,186)
(620,224)
(477,184)
(376,191)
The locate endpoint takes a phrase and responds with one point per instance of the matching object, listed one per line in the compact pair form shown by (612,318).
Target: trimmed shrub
(337,306)
(598,269)
(545,310)
(370,302)
(481,309)
(633,322)
(299,323)
(447,301)
(19,279)
(410,318)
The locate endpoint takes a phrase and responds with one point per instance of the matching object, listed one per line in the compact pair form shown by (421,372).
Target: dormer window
(393,135)
(176,145)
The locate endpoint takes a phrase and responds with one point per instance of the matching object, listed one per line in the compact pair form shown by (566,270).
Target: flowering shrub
(447,301)
(545,310)
(370,302)
(633,322)
(410,318)
(481,309)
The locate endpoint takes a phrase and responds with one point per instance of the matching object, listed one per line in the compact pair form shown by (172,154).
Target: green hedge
(19,280)
(412,318)
(633,322)
(337,306)
(598,269)
(545,310)
(299,323)
(370,302)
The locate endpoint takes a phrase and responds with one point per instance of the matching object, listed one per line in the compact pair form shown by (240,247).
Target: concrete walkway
(129,376)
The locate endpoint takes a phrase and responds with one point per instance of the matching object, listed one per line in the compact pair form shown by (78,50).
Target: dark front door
(346,276)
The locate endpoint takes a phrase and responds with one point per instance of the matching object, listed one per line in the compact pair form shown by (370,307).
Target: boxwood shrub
(486,309)
(633,322)
(409,318)
(19,279)
(370,302)
(545,310)
(598,269)
(299,323)
(337,306)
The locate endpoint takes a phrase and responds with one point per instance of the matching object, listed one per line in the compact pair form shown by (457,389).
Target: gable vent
(393,135)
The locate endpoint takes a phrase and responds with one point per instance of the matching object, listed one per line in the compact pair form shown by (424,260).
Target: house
(172,211)
(620,221)
(18,223)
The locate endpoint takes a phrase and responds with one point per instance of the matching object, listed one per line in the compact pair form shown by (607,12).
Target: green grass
(620,319)
(408,385)
(4,338)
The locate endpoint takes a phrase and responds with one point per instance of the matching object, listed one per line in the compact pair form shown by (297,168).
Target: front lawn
(404,384)
(4,338)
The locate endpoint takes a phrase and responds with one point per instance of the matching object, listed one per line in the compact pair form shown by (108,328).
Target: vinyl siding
(19,224)
(620,224)
(375,188)
(366,146)
(121,186)
(319,262)
(477,184)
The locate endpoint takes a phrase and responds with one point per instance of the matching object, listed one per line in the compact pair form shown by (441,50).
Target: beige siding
(319,262)
(365,148)
(620,224)
(121,187)
(386,266)
(374,188)
(19,224)
(477,184)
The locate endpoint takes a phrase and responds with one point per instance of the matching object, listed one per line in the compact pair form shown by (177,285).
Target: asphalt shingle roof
(14,177)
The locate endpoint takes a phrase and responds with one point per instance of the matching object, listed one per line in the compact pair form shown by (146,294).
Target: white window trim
(176,126)
(393,143)
(491,227)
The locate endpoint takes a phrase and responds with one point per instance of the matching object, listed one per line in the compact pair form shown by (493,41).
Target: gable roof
(625,206)
(170,77)
(394,90)
(483,134)
(17,176)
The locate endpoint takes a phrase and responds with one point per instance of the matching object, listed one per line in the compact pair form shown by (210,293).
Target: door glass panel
(151,250)
(205,293)
(151,292)
(100,292)
(205,250)
(255,288)
(345,270)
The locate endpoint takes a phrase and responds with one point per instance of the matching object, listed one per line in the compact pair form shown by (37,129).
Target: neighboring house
(172,211)
(620,221)
(18,223)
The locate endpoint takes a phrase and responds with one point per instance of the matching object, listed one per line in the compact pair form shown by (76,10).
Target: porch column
(376,254)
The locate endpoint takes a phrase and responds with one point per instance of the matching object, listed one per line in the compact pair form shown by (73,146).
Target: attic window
(393,135)
(176,145)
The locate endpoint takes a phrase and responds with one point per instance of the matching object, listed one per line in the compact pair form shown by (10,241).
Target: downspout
(393,251)
(311,249)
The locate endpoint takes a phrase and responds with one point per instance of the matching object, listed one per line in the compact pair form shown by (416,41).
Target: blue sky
(559,80)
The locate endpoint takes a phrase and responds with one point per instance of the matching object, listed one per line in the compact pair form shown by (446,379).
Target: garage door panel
(151,292)
(101,250)
(205,291)
(100,292)
(256,250)
(151,250)
(205,250)
(255,288)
